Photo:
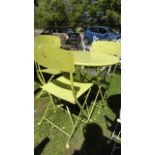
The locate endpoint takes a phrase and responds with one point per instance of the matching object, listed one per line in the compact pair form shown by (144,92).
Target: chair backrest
(54,41)
(52,57)
(107,47)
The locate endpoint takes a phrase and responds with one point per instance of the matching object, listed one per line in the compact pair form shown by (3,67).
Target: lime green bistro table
(94,59)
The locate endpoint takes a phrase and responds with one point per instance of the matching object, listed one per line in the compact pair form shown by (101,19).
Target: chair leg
(70,116)
(113,149)
(101,94)
(100,86)
(77,118)
(103,99)
(73,130)
(85,101)
(46,110)
(81,108)
(57,127)
(107,90)
(43,117)
(93,107)
(70,137)
(113,72)
(63,131)
(40,93)
(51,99)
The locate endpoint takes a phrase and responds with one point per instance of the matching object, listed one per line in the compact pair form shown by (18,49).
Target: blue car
(100,33)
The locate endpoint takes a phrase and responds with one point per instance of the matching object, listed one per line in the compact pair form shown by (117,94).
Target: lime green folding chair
(61,87)
(106,47)
(38,43)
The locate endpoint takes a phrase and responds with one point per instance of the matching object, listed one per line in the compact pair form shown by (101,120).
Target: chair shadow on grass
(114,103)
(95,143)
(40,147)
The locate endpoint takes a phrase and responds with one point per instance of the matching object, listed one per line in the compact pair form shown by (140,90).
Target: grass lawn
(50,141)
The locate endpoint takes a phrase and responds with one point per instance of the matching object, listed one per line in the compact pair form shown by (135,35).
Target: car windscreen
(93,29)
(112,31)
(102,30)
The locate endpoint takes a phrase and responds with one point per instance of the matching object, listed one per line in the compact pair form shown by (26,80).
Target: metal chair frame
(60,60)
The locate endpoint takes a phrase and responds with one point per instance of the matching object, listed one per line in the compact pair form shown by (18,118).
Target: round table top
(94,59)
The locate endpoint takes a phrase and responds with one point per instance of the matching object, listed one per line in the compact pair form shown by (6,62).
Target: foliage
(78,13)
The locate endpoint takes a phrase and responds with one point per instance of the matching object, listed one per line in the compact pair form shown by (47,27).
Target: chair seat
(50,71)
(61,89)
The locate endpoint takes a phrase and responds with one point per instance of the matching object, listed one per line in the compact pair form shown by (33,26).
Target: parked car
(118,38)
(69,38)
(100,33)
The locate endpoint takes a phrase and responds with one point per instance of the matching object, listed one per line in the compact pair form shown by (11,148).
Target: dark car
(69,38)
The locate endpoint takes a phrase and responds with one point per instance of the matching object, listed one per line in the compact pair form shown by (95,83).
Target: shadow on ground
(114,103)
(95,143)
(40,147)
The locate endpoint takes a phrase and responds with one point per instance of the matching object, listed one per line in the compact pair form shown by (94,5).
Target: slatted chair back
(54,41)
(108,47)
(53,58)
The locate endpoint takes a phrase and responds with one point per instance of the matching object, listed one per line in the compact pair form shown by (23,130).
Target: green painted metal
(50,71)
(61,88)
(70,116)
(52,101)
(94,59)
(107,47)
(39,41)
(45,112)
(111,48)
(52,57)
(57,127)
(54,41)
(93,107)
(47,53)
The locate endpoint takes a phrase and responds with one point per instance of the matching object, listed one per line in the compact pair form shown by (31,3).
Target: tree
(78,13)
(50,12)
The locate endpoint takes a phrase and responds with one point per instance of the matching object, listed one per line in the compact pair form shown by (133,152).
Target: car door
(93,33)
(103,34)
